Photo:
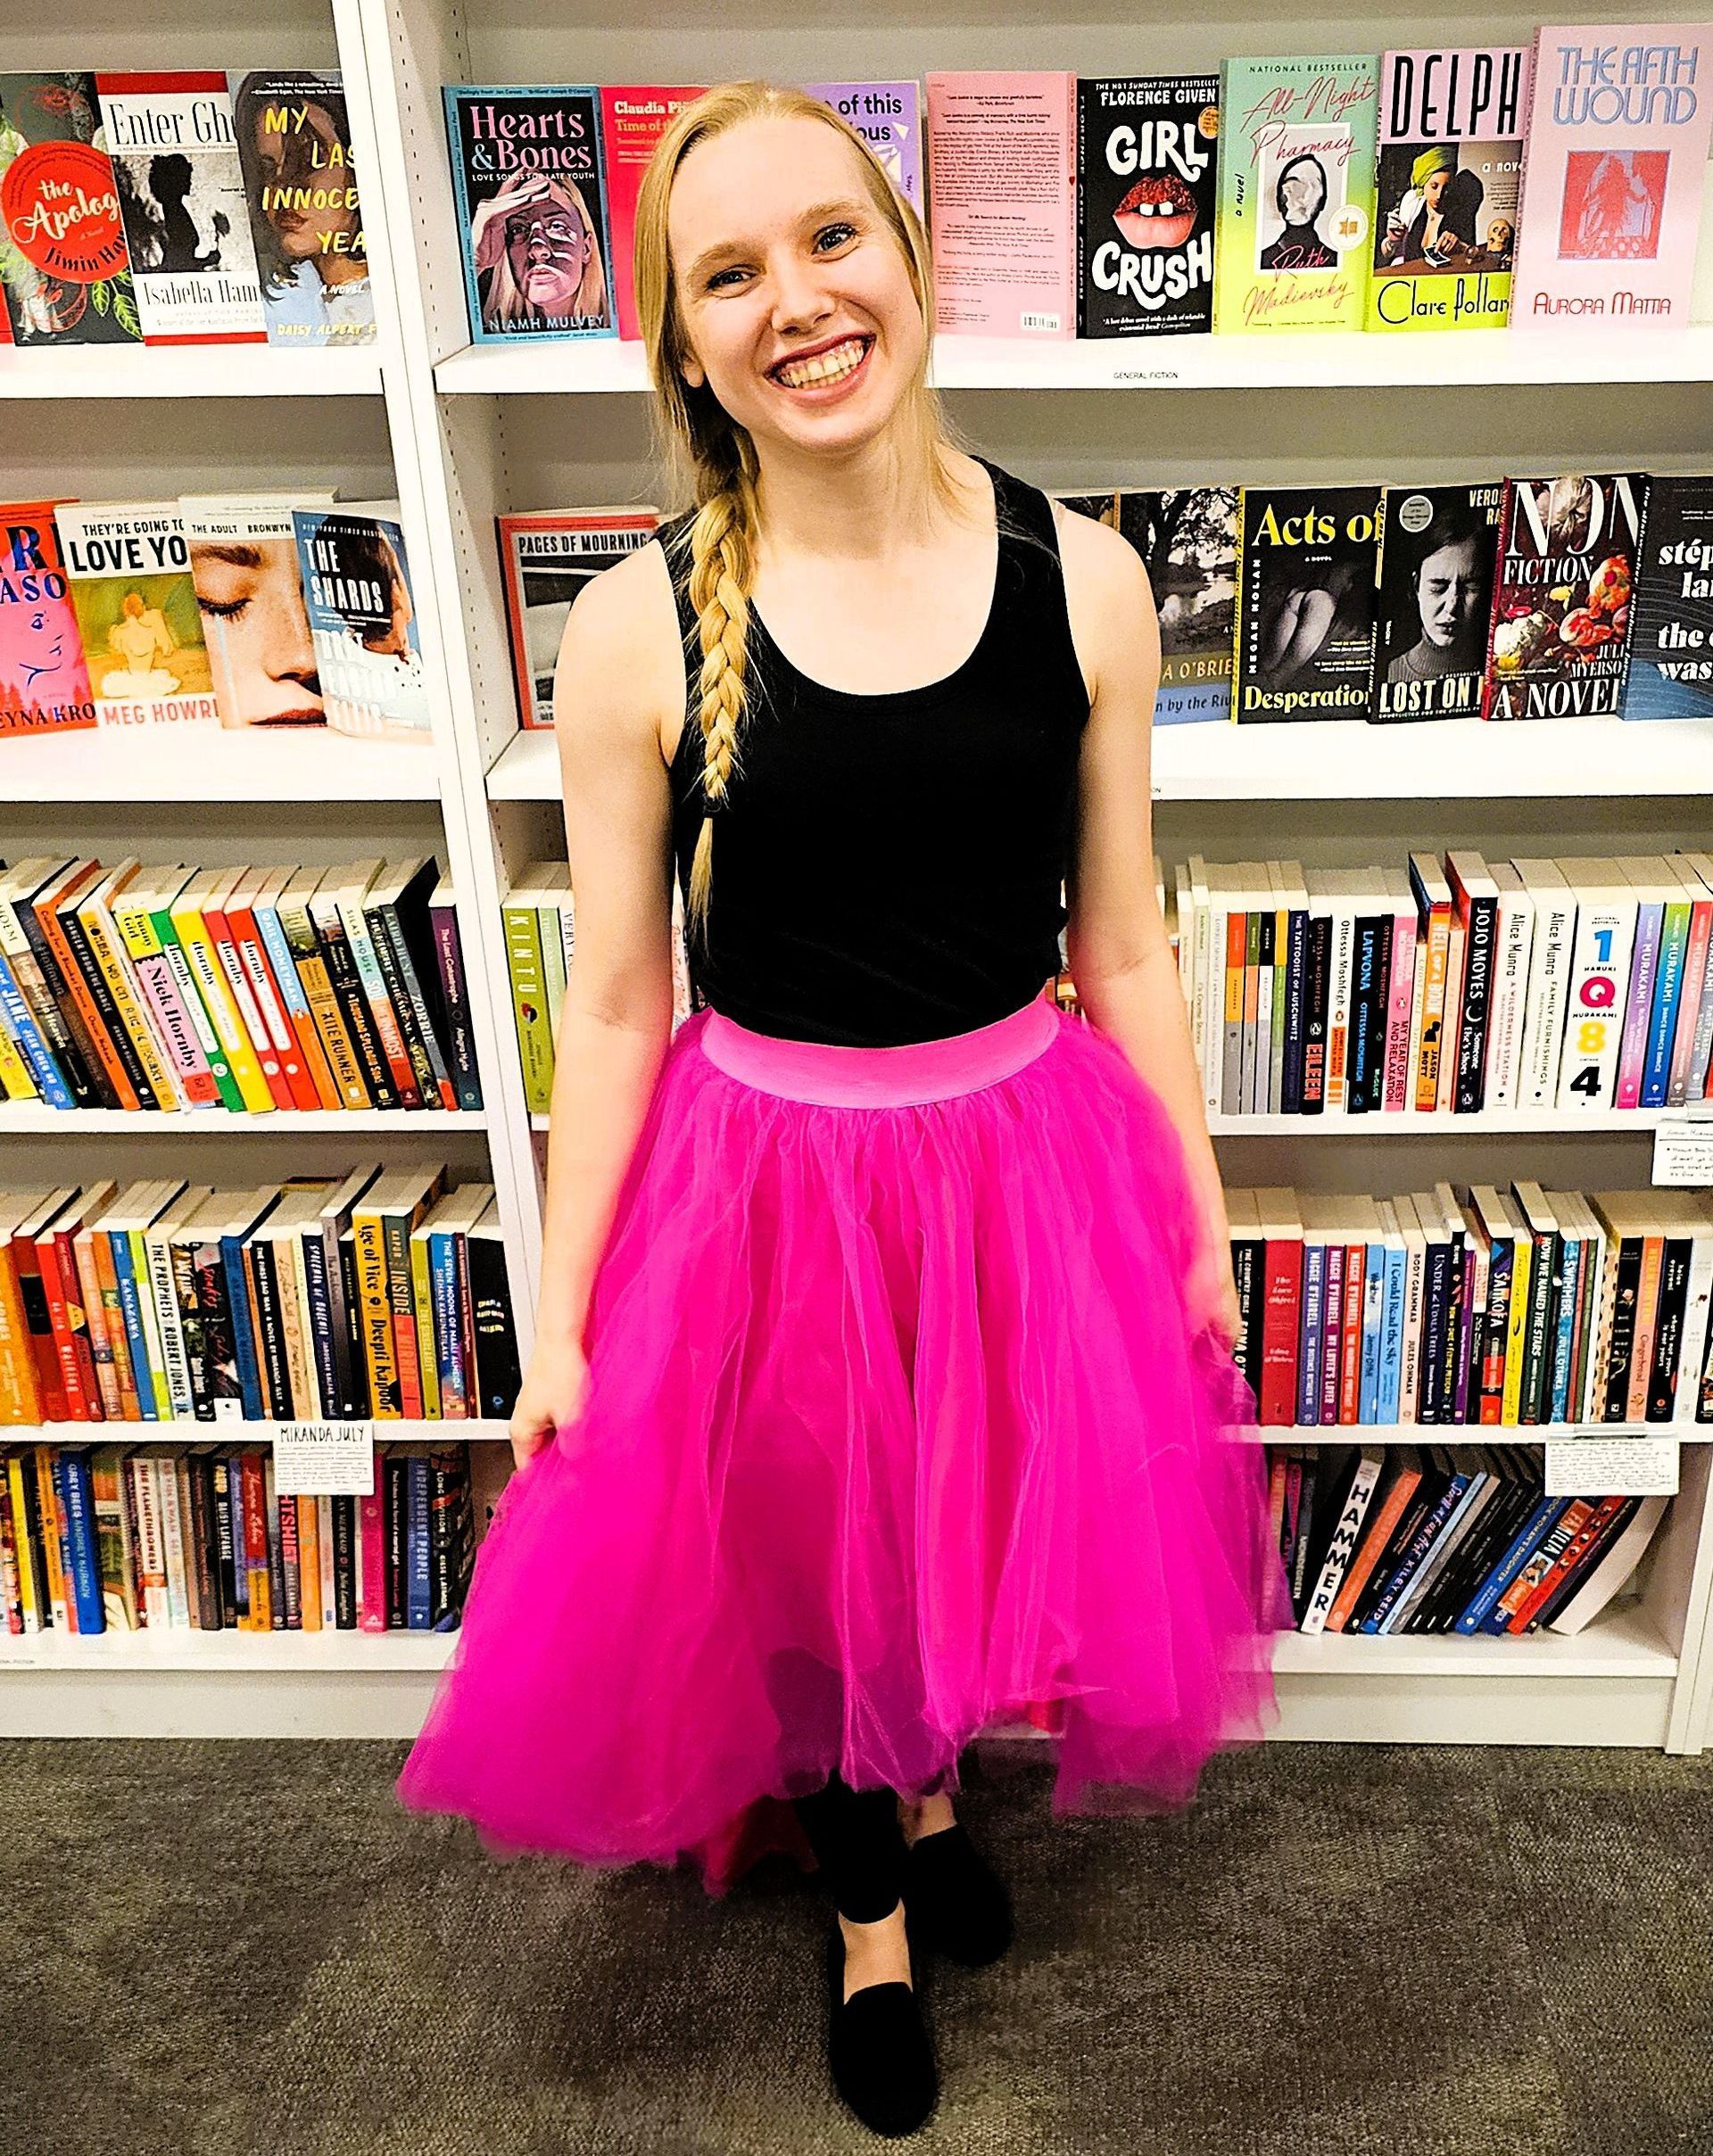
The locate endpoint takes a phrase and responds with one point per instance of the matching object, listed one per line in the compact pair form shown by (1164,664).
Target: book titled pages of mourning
(546,558)
(65,269)
(141,629)
(306,214)
(43,677)
(1437,549)
(1147,200)
(1670,671)
(1303,638)
(1616,158)
(1448,177)
(1002,155)
(1567,549)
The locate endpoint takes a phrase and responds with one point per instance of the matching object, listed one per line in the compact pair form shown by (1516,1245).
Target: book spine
(223,935)
(130,1271)
(1638,1004)
(151,1074)
(371,1528)
(342,974)
(418,1571)
(529,1009)
(1296,953)
(282,966)
(38,1058)
(432,1075)
(68,998)
(1689,1009)
(400,1294)
(1318,989)
(102,1355)
(82,977)
(210,1044)
(1663,1019)
(1308,1359)
(448,958)
(425,1082)
(1332,1334)
(1437,953)
(1401,981)
(270,1004)
(1476,1002)
(344,1067)
(209,976)
(76,1494)
(37,977)
(1510,1001)
(373,982)
(376,1311)
(163,1003)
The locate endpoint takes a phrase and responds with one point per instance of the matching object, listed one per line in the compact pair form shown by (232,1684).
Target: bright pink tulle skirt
(894,1433)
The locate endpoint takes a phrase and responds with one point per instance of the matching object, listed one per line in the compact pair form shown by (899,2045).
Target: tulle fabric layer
(893,1434)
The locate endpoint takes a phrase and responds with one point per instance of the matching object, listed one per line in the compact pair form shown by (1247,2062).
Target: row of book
(265,609)
(241,989)
(211,209)
(1557,182)
(1472,1304)
(1454,1539)
(371,1294)
(1451,985)
(175,1537)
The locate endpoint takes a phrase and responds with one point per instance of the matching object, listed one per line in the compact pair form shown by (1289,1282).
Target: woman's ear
(692,370)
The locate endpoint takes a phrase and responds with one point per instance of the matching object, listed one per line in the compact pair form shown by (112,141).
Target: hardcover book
(1671,614)
(1616,153)
(306,216)
(545,560)
(1296,192)
(888,116)
(249,584)
(43,679)
(1303,638)
(181,195)
(633,117)
(1436,560)
(1567,560)
(362,620)
(64,269)
(530,186)
(1003,186)
(136,611)
(1188,538)
(1147,198)
(1449,176)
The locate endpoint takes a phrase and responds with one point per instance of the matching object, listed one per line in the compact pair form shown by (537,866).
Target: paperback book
(65,267)
(306,215)
(363,621)
(1449,177)
(249,582)
(1567,551)
(43,679)
(1147,196)
(1002,153)
(1188,538)
(888,116)
(1437,546)
(137,618)
(545,560)
(529,183)
(1303,638)
(633,117)
(1671,614)
(181,195)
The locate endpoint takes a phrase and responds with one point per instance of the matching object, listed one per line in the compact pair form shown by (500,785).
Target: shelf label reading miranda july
(324,1459)
(1601,1463)
(1683,1150)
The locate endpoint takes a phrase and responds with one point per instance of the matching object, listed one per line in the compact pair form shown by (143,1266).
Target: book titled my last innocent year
(1618,141)
(1147,196)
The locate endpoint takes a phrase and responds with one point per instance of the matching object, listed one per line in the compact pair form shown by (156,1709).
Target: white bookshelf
(460,434)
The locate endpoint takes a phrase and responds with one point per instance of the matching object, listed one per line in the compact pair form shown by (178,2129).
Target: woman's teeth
(832,365)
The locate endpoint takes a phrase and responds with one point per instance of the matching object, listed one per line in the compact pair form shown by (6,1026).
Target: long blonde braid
(723,567)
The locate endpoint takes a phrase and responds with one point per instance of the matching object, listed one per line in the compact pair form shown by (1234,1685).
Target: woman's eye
(722,278)
(222,609)
(834,236)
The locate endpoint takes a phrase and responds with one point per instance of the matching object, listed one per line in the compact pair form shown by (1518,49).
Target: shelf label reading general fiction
(1682,1151)
(324,1459)
(1600,1463)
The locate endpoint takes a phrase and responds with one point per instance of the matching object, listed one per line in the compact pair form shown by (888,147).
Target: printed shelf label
(1603,1463)
(324,1459)
(1683,1152)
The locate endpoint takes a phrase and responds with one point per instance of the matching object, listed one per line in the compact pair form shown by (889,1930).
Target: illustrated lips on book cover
(1147,198)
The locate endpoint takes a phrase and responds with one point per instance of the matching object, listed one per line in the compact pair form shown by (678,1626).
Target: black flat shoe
(955,1901)
(880,2051)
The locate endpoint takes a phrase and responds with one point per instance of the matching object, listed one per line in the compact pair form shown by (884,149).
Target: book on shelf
(1003,202)
(1188,538)
(1437,550)
(362,620)
(175,157)
(1614,162)
(633,117)
(371,1295)
(1448,179)
(1670,671)
(141,629)
(44,676)
(64,280)
(1296,192)
(529,185)
(305,210)
(180,1536)
(546,556)
(1558,645)
(888,116)
(248,579)
(1147,198)
(1303,641)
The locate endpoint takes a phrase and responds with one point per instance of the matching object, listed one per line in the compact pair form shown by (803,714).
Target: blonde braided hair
(715,454)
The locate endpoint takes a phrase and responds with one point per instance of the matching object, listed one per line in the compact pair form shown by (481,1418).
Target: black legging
(859,1845)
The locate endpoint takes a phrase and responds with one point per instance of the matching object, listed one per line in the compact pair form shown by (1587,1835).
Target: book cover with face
(363,624)
(1303,638)
(1568,552)
(1436,560)
(1147,196)
(243,563)
(306,212)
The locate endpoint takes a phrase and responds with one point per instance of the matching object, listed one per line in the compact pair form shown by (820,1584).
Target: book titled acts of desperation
(142,630)
(1303,642)
(1671,624)
(306,216)
(44,681)
(1436,558)
(1567,551)
(530,184)
(1449,174)
(1147,196)
(65,270)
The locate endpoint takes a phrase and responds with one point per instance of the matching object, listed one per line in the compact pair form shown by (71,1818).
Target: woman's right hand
(550,1395)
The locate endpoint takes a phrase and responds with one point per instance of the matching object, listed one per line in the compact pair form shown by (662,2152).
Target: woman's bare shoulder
(621,650)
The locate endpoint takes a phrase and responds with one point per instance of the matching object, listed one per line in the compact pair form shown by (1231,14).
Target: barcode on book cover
(1040,321)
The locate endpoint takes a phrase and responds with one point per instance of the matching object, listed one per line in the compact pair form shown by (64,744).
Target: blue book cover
(76,1497)
(1539,1523)
(449,1331)
(39,1057)
(243,1333)
(1571,1252)
(1670,672)
(1308,1357)
(1668,994)
(240,1561)
(1423,1539)
(136,1338)
(1392,1334)
(529,185)
(1373,1309)
(419,1589)
(1417,1583)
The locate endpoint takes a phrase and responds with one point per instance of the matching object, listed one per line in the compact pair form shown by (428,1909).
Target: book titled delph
(1147,198)
(1450,173)
(1617,140)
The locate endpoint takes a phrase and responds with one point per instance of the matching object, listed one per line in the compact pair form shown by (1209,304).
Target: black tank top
(887,868)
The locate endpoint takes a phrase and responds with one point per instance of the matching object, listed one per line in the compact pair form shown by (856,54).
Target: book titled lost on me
(1436,560)
(1302,646)
(1147,196)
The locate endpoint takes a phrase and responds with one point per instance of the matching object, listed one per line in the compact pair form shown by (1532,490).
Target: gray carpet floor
(229,1948)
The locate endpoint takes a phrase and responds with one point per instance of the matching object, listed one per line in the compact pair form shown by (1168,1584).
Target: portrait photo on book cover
(536,250)
(250,593)
(1437,589)
(1446,207)
(1613,203)
(1301,197)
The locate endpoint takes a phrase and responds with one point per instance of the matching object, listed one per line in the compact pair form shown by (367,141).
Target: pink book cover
(632,119)
(371,1566)
(175,1030)
(1612,171)
(43,679)
(1399,1009)
(1002,190)
(1700,934)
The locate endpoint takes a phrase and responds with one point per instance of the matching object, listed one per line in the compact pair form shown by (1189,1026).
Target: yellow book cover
(422,1295)
(212,987)
(15,1081)
(95,913)
(31,1588)
(63,1608)
(375,1313)
(528,981)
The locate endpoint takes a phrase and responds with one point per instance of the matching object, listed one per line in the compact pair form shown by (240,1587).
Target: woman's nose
(800,296)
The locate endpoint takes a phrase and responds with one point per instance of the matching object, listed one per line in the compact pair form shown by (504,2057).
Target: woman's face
(547,244)
(392,637)
(1301,193)
(794,292)
(251,588)
(1448,591)
(308,156)
(1433,188)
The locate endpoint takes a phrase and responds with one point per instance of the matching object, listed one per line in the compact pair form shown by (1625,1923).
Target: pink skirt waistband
(829,1076)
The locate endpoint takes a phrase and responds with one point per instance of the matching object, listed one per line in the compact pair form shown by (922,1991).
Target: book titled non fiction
(1147,197)
(1296,192)
(1567,551)
(529,183)
(545,560)
(1188,538)
(1671,613)
(362,620)
(1618,129)
(1003,196)
(888,117)
(181,195)
(138,616)
(306,212)
(633,117)
(43,679)
(1303,641)
(1437,545)
(65,269)
(1448,177)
